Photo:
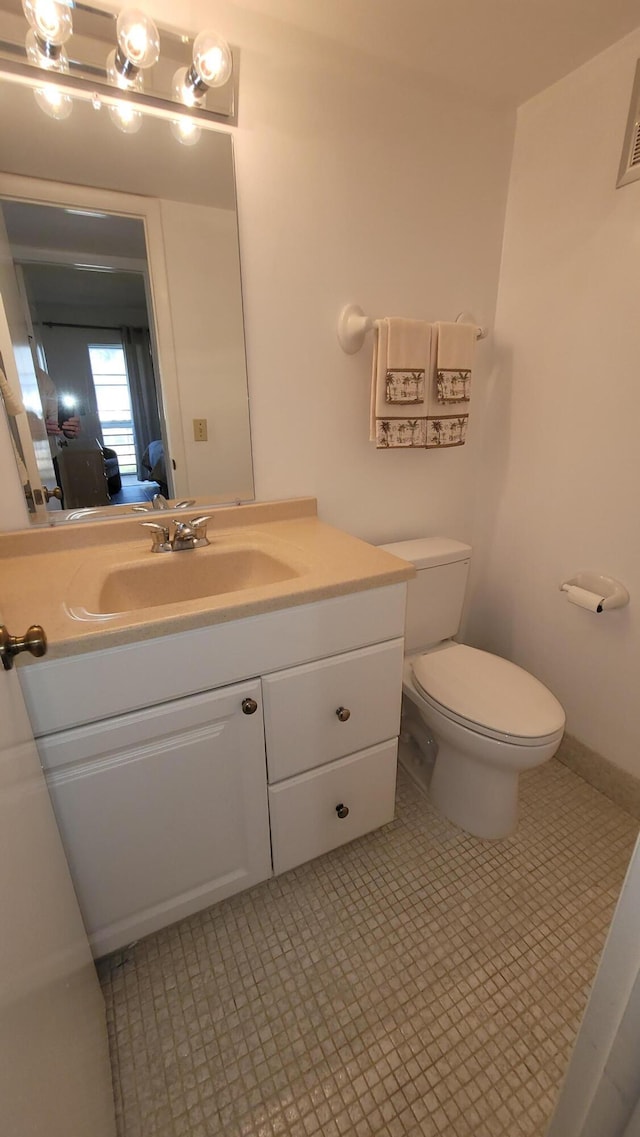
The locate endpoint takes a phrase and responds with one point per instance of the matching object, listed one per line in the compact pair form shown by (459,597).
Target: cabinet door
(332,707)
(162,812)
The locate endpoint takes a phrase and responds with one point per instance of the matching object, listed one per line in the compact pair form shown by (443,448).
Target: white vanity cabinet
(159,777)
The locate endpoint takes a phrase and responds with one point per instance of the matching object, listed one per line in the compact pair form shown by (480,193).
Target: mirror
(127,262)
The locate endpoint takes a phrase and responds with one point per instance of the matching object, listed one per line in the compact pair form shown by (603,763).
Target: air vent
(630,161)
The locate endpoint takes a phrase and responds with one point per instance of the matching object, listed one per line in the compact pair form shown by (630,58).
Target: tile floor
(417,981)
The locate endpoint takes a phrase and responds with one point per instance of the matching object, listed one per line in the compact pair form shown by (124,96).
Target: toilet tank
(436,595)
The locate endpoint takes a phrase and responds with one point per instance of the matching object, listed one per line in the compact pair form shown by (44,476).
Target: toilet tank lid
(428,552)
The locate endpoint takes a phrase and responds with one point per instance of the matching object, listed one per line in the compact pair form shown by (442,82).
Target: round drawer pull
(249,706)
(343,713)
(342,810)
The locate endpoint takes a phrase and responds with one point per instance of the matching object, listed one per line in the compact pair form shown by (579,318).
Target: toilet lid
(489,691)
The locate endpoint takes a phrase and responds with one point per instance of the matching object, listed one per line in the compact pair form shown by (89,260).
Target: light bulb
(184,91)
(53,101)
(212,59)
(133,81)
(185,130)
(138,37)
(50,20)
(126,118)
(58,61)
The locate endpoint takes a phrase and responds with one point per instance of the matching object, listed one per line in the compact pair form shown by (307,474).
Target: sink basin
(172,578)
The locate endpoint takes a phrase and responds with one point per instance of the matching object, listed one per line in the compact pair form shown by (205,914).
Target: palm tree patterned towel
(422,433)
(402,360)
(447,430)
(401,433)
(405,386)
(453,386)
(456,346)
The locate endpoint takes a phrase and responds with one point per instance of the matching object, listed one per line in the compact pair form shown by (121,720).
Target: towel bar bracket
(353,326)
(467,318)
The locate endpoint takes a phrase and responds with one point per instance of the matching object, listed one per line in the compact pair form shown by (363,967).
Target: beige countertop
(57,576)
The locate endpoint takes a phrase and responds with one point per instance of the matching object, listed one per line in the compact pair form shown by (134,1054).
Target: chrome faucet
(186,535)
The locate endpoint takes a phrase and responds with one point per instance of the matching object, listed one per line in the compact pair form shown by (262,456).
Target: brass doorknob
(55,492)
(249,706)
(34,640)
(343,713)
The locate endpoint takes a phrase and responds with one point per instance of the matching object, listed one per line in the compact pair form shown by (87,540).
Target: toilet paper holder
(596,592)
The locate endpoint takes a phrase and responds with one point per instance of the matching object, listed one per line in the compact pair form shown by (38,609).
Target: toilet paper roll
(583,598)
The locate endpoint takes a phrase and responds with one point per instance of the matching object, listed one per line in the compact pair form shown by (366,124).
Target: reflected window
(111,382)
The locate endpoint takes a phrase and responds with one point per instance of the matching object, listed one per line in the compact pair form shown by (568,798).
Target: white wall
(560,439)
(355,183)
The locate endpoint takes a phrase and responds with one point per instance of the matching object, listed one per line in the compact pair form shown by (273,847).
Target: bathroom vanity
(188,759)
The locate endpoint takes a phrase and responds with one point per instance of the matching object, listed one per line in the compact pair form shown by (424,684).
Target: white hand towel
(456,347)
(401,367)
(444,428)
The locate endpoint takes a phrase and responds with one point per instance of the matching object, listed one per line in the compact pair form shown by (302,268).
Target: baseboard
(610,780)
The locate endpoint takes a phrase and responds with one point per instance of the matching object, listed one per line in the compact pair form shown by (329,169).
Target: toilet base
(481,800)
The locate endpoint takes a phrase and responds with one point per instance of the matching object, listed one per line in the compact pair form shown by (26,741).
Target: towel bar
(353,326)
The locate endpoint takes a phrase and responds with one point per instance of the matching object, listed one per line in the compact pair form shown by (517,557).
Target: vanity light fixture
(204,88)
(53,101)
(48,55)
(138,48)
(40,57)
(185,130)
(51,23)
(126,118)
(211,67)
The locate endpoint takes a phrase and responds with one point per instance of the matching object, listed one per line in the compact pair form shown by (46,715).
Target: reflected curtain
(142,385)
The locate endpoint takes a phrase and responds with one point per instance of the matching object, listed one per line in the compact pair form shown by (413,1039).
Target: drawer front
(302,726)
(304,817)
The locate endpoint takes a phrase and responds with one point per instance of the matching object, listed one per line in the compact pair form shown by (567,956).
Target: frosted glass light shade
(185,130)
(212,59)
(138,37)
(50,20)
(53,102)
(126,118)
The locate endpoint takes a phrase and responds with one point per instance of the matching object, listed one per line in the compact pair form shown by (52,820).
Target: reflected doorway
(86,310)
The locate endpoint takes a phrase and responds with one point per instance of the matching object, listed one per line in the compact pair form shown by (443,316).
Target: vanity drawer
(302,727)
(303,810)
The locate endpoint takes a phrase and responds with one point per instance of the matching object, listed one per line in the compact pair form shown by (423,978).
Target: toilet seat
(487,694)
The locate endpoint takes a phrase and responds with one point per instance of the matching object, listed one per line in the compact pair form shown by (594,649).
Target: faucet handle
(159,536)
(185,504)
(199,525)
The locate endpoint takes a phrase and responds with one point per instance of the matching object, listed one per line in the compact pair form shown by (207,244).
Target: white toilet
(490,719)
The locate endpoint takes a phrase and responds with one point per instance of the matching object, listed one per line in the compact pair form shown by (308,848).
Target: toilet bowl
(491,719)
(475,777)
